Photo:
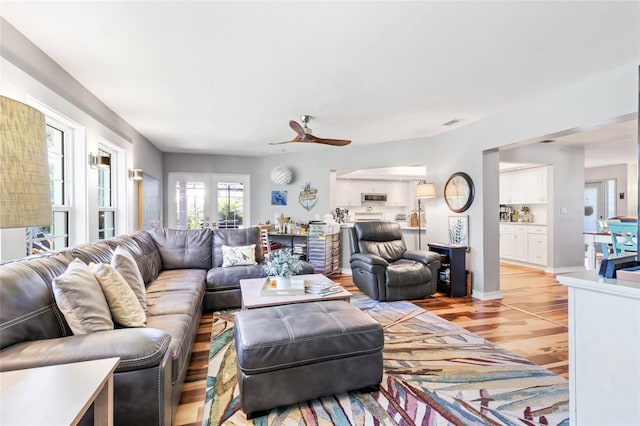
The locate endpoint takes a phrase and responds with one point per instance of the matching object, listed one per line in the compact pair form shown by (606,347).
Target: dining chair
(624,237)
(267,245)
(603,226)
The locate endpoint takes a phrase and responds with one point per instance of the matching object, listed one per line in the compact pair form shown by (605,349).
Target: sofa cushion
(183,248)
(99,252)
(123,303)
(126,265)
(229,278)
(178,326)
(406,272)
(149,260)
(234,238)
(239,255)
(81,299)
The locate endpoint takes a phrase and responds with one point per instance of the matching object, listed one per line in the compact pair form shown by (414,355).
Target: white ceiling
(225,77)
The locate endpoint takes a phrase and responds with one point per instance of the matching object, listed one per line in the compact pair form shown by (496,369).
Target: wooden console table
(58,394)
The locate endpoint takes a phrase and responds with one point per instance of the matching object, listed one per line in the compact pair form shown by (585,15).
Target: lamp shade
(25,198)
(425,190)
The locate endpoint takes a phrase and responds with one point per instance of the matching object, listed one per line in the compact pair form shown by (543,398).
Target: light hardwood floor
(530,320)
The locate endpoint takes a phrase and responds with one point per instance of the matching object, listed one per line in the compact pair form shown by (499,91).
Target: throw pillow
(81,299)
(239,255)
(124,263)
(123,303)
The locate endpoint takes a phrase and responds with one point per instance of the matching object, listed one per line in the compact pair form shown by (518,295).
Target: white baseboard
(491,295)
(346,271)
(564,269)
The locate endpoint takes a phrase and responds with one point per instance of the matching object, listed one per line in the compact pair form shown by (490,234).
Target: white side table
(58,394)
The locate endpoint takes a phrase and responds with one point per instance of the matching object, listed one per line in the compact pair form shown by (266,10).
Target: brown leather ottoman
(291,353)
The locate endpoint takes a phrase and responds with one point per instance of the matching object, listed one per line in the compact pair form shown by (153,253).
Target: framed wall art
(459,231)
(278,198)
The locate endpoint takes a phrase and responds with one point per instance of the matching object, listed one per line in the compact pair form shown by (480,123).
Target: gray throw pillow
(81,300)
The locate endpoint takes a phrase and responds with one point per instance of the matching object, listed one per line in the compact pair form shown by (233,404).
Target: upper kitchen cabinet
(525,186)
(349,192)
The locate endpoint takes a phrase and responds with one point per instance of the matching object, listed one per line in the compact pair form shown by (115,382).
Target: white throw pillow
(124,263)
(123,303)
(81,300)
(239,255)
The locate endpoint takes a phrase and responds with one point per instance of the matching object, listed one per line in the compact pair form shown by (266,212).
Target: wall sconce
(97,161)
(135,174)
(25,197)
(423,190)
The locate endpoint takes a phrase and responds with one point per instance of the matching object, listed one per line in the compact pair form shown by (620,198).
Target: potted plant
(283,264)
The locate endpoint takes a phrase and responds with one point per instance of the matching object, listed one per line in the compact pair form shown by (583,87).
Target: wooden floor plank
(530,320)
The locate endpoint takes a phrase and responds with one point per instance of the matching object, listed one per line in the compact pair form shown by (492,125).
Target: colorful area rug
(435,373)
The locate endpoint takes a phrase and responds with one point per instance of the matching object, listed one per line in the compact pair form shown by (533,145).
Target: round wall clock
(459,192)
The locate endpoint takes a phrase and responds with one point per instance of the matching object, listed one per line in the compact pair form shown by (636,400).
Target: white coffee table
(251,297)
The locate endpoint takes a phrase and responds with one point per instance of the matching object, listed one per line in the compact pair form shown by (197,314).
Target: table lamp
(25,198)
(423,190)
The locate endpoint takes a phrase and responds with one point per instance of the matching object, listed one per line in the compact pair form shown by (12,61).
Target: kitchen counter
(403,226)
(524,223)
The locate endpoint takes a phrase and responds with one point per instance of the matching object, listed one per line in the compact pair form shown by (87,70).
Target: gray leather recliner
(384,269)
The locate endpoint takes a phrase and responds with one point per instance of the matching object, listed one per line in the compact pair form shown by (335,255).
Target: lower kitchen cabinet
(537,245)
(524,243)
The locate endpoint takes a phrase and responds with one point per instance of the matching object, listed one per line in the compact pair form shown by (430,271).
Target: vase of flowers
(283,264)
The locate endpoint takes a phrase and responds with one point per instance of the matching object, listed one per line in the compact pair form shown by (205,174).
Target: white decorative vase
(283,283)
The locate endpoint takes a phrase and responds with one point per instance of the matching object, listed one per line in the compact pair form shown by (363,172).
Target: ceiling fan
(304,134)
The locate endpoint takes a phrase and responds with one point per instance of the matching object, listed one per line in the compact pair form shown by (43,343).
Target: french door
(203,200)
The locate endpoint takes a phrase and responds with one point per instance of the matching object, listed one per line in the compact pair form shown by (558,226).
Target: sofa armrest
(137,348)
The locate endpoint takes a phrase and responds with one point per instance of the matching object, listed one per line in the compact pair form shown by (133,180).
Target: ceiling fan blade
(296,139)
(334,142)
(297,128)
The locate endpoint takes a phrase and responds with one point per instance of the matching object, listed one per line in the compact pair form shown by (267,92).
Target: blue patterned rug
(435,373)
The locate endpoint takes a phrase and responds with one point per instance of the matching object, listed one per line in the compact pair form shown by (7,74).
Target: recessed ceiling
(224,77)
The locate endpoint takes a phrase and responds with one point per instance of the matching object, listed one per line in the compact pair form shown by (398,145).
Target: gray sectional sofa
(183,277)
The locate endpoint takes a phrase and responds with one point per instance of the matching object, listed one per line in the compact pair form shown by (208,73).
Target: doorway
(208,200)
(599,202)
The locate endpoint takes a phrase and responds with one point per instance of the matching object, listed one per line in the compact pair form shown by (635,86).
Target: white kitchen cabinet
(537,245)
(506,241)
(348,192)
(523,243)
(397,194)
(526,186)
(520,243)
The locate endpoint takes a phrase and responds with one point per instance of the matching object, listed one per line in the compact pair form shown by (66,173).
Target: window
(230,204)
(191,200)
(56,235)
(106,197)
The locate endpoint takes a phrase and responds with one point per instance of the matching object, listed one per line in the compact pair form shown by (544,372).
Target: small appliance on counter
(506,213)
